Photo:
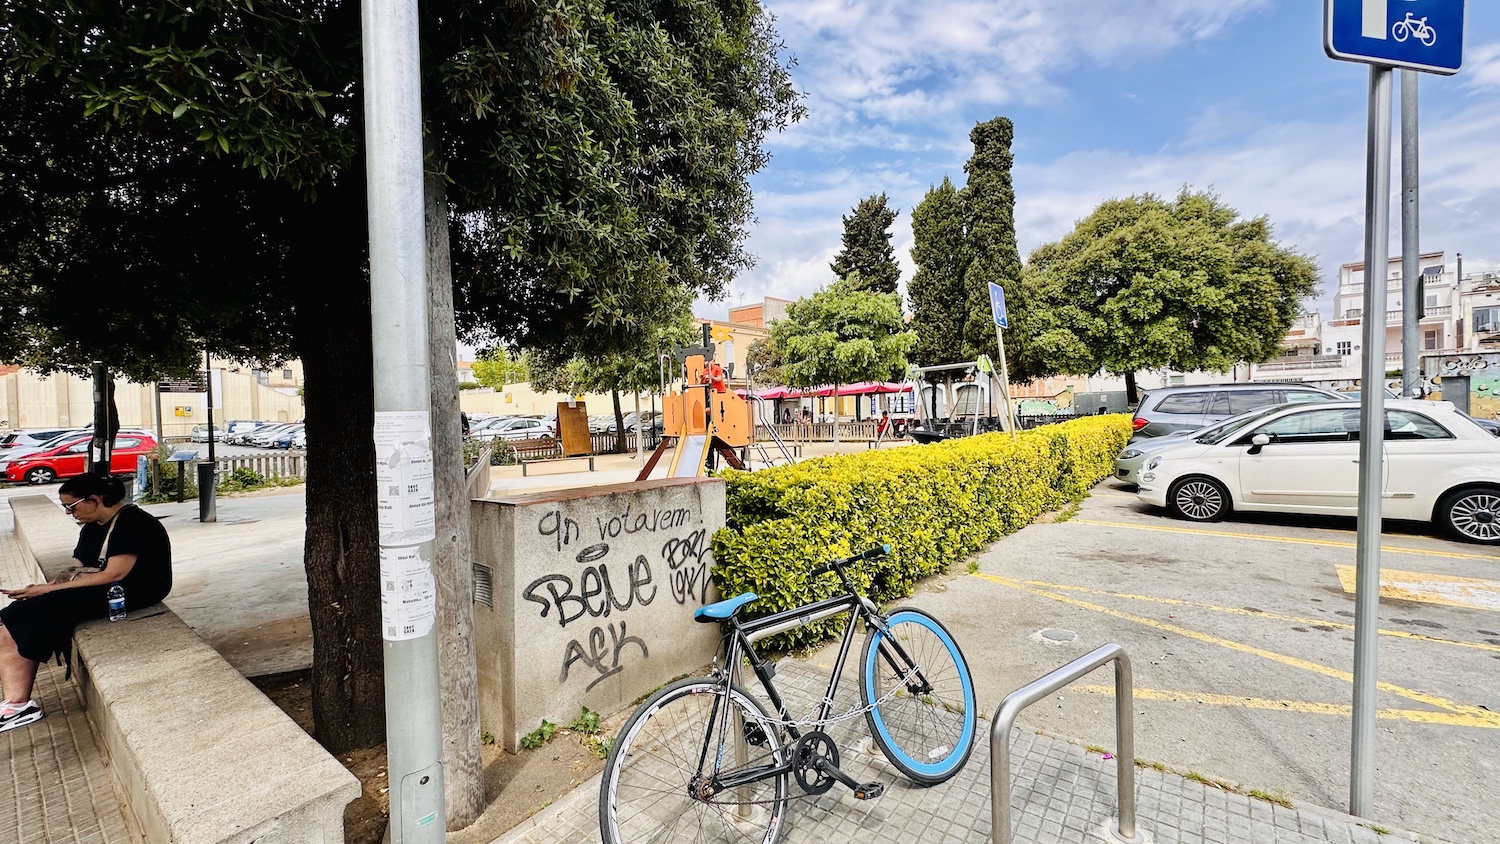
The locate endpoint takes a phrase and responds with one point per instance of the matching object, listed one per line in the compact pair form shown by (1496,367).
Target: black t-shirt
(136,532)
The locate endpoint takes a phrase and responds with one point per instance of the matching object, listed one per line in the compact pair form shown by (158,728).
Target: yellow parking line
(1420,716)
(1177,602)
(1476,712)
(1327,543)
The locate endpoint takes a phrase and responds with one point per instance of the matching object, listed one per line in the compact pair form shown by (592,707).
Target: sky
(1110,98)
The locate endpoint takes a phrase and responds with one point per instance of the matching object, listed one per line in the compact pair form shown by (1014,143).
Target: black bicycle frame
(740,643)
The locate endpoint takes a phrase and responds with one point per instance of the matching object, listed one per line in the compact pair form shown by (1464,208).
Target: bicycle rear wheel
(921,712)
(651,785)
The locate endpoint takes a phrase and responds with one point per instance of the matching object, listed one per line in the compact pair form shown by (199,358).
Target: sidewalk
(59,782)
(1063,794)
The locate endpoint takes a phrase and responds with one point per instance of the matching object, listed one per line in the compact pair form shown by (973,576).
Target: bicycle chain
(813,722)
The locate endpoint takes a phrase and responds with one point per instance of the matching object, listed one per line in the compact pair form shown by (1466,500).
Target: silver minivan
(1190,407)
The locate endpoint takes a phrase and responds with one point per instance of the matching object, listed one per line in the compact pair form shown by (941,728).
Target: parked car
(1137,452)
(1488,425)
(602,423)
(514,428)
(33,437)
(263,436)
(69,456)
(1188,408)
(299,439)
(284,438)
(200,434)
(235,426)
(1439,467)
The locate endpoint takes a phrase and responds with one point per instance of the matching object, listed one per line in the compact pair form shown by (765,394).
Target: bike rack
(1121,829)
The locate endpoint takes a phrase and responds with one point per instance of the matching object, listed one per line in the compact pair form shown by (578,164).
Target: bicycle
(701,760)
(1414,27)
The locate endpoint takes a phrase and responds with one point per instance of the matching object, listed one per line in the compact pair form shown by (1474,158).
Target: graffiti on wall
(597,588)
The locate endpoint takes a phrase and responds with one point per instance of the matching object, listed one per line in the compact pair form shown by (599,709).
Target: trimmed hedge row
(933,504)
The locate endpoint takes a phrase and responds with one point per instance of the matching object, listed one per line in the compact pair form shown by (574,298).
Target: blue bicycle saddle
(723,609)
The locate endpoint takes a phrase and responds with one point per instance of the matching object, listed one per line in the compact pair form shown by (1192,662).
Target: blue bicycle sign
(1422,35)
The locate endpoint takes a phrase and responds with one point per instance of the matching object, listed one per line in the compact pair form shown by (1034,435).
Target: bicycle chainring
(806,753)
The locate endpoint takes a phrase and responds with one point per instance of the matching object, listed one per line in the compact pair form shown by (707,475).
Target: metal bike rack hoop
(1122,829)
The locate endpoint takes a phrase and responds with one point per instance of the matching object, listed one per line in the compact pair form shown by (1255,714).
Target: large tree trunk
(341,551)
(458,675)
(620,422)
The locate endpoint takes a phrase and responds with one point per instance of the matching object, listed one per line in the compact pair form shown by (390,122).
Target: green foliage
(941,253)
(989,202)
(842,334)
(763,360)
(242,478)
(487,738)
(1145,283)
(497,367)
(867,248)
(540,736)
(933,504)
(587,722)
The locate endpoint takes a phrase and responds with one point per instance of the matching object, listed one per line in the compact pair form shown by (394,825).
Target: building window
(1353,313)
(1345,347)
(1432,300)
(1487,320)
(287,374)
(1429,340)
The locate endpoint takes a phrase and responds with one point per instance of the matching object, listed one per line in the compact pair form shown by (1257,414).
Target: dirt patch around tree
(516,785)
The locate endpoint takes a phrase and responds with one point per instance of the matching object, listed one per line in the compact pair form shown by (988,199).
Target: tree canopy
(842,334)
(940,250)
(989,206)
(867,251)
(1146,283)
(498,367)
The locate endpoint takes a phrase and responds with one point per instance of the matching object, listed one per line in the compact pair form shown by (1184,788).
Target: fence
(283,464)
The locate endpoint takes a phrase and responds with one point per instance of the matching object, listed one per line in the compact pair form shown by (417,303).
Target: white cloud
(1482,67)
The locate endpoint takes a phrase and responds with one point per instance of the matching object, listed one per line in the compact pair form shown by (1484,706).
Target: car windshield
(1226,429)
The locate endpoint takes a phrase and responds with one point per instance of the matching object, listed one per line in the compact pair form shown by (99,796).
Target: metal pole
(207,507)
(1010,412)
(403,445)
(1371,443)
(1411,250)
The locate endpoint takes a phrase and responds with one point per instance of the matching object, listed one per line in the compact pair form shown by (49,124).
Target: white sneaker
(13,715)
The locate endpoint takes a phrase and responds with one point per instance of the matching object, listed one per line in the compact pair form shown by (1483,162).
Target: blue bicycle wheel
(920,695)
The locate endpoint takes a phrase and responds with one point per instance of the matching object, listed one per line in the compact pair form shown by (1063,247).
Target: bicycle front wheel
(919,696)
(658,781)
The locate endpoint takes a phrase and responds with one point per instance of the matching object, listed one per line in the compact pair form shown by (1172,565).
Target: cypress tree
(867,247)
(989,217)
(941,253)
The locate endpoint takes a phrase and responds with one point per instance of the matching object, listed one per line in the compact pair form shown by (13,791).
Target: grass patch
(1068,512)
(1271,797)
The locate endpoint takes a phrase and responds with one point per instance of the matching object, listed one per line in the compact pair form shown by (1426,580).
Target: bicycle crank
(815,764)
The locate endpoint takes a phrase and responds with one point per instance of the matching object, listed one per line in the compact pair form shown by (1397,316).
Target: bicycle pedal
(869,791)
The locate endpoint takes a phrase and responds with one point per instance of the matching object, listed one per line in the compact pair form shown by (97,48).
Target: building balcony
(1437,313)
(1293,362)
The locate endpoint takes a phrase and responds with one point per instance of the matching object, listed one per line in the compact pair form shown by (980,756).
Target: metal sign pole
(402,434)
(1411,248)
(1371,443)
(1010,412)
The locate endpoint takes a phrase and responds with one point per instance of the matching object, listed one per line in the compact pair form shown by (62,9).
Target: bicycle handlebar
(834,565)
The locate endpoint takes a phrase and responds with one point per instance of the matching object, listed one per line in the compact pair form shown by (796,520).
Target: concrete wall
(594,592)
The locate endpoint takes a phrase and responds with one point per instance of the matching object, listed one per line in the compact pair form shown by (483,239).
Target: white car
(514,428)
(1439,467)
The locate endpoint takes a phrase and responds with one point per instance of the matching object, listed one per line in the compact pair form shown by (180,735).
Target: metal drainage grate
(484,586)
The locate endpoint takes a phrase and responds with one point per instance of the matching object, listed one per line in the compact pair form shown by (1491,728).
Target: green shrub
(242,478)
(932,504)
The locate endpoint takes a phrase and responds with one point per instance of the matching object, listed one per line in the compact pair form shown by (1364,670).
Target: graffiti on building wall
(602,587)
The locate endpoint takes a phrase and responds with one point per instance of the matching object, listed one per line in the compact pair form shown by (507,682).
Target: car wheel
(1199,500)
(41,475)
(1472,515)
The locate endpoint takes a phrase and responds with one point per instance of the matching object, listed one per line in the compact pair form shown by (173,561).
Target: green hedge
(933,504)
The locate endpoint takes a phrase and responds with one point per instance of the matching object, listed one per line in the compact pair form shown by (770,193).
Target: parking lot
(1241,635)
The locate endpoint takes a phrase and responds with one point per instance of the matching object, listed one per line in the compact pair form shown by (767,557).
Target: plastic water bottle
(116,602)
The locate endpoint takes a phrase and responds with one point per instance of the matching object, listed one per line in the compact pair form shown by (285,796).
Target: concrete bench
(198,754)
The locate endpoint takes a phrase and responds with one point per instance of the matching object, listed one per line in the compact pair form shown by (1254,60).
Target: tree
(498,367)
(989,202)
(867,246)
(764,363)
(941,252)
(842,334)
(1145,283)
(596,156)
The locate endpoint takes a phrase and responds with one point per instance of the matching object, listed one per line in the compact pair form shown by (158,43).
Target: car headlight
(1130,454)
(1153,463)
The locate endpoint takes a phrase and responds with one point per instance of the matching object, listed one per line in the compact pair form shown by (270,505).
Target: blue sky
(1109,98)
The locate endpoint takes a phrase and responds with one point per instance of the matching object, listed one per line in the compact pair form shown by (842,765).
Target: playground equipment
(705,420)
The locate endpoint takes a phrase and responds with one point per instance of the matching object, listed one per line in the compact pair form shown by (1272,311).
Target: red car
(68,459)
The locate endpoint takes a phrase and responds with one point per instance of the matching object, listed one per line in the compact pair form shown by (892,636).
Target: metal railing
(1122,829)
